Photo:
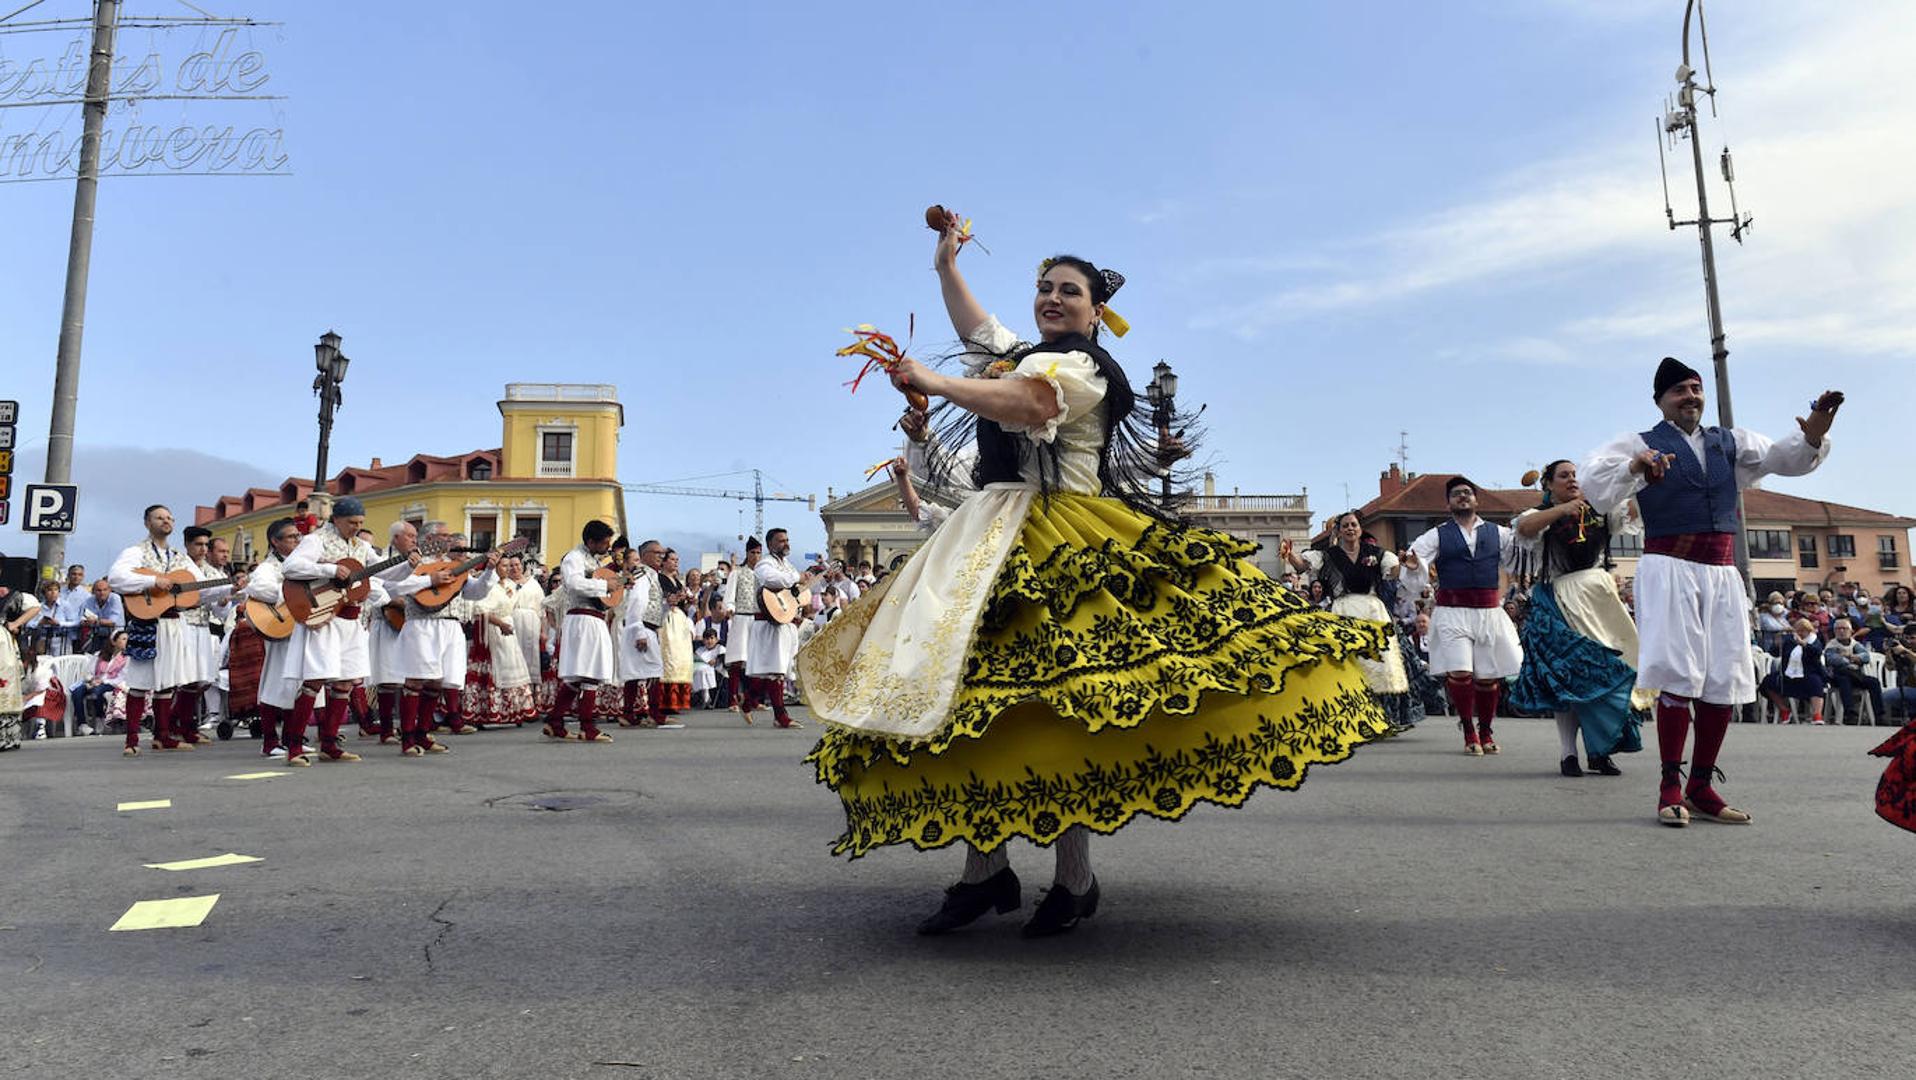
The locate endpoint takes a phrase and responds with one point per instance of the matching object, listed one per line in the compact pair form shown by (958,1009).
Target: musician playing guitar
(768,659)
(382,640)
(432,649)
(641,662)
(332,658)
(586,657)
(278,686)
(198,619)
(159,653)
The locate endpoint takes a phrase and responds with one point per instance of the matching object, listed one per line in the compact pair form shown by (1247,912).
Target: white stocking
(980,866)
(1074,860)
(1566,733)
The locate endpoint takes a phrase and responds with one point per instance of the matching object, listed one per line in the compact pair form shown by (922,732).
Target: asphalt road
(1411,913)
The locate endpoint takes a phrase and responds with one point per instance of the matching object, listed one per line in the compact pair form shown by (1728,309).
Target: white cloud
(1829,112)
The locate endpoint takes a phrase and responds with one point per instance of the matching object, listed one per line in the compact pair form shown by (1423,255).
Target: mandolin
(175,589)
(438,596)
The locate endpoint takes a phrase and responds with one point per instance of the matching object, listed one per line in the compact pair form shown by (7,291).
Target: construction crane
(756,496)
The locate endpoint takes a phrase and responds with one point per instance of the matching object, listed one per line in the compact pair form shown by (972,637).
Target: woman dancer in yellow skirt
(1061,656)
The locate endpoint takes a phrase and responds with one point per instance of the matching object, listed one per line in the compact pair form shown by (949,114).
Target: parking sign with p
(49,508)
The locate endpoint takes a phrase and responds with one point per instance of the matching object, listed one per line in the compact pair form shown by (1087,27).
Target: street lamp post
(332,372)
(1162,393)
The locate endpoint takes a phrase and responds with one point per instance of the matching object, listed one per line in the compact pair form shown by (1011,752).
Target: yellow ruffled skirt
(1121,667)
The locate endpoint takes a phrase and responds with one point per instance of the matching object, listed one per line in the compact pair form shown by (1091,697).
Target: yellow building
(556,468)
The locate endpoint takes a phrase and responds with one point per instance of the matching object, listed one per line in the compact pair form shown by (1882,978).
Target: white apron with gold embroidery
(891,664)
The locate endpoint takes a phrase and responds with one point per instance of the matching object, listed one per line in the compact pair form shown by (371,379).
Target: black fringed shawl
(1130,468)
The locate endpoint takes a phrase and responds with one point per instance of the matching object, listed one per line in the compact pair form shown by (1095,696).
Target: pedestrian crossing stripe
(208,863)
(150,804)
(255,775)
(184,911)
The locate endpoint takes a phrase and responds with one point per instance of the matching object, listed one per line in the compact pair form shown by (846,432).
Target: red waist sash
(1475,598)
(1710,548)
(348,612)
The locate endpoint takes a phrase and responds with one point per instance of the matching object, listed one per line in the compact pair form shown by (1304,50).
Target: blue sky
(1338,223)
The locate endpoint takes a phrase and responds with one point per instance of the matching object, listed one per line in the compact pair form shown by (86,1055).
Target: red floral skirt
(1896,791)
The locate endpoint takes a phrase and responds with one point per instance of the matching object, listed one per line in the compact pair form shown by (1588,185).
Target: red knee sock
(1712,724)
(296,725)
(733,677)
(776,691)
(631,710)
(588,712)
(386,697)
(1463,698)
(1673,730)
(1487,694)
(450,704)
(135,715)
(332,720)
(363,711)
(269,717)
(162,706)
(561,705)
(186,715)
(655,701)
(408,718)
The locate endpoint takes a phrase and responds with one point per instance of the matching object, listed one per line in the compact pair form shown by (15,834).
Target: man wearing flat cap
(333,658)
(1473,643)
(1692,609)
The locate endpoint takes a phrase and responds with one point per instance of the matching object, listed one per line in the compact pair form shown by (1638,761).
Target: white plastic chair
(73,672)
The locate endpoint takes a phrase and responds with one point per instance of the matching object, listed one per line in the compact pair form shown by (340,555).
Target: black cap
(1456,482)
(1671,372)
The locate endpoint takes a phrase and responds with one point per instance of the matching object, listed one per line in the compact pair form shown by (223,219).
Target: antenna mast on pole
(1679,121)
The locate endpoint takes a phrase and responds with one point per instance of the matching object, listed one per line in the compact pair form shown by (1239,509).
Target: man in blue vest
(1693,613)
(1473,644)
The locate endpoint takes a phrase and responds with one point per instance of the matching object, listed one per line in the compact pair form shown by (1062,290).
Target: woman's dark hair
(1549,474)
(1103,282)
(1130,465)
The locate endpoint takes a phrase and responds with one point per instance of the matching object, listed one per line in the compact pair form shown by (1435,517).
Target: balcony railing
(1246,502)
(534,391)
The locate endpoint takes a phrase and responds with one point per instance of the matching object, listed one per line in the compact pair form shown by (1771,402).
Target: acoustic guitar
(438,596)
(314,603)
(272,621)
(174,589)
(784,605)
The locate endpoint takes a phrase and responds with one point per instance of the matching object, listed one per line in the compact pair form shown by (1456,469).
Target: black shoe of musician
(1060,910)
(1603,766)
(965,903)
(1570,767)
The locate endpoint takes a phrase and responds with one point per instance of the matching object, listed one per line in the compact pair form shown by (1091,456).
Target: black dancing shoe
(1060,911)
(1603,766)
(1570,767)
(965,903)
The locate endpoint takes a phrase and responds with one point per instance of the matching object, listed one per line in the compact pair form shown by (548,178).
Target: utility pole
(1681,122)
(66,372)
